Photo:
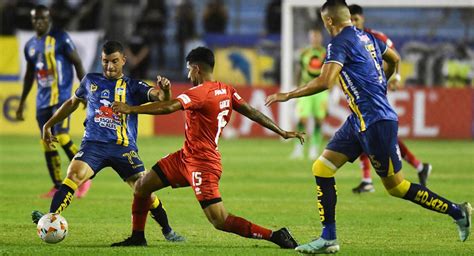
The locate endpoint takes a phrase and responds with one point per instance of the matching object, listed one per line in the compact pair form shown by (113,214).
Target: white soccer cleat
(319,246)
(464,224)
(313,152)
(298,152)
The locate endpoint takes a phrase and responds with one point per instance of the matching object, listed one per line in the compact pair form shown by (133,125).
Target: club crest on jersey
(93,88)
(105,94)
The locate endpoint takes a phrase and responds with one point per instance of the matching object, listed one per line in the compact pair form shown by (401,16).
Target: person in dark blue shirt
(354,59)
(50,58)
(109,138)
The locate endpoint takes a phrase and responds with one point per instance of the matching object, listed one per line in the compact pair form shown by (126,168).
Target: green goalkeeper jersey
(311,61)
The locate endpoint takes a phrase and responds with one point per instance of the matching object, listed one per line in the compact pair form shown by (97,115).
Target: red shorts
(176,173)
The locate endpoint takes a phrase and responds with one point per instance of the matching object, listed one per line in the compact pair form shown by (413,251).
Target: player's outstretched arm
(163,92)
(27,84)
(326,80)
(76,61)
(257,116)
(392,60)
(154,108)
(63,112)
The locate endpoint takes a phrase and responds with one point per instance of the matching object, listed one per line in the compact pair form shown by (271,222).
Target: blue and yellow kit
(102,124)
(53,69)
(362,78)
(110,138)
(373,125)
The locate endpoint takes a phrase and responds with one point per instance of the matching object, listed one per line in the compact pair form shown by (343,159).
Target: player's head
(113,59)
(315,36)
(335,15)
(40,19)
(200,63)
(357,16)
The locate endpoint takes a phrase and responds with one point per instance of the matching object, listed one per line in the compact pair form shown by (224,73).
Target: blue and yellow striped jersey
(53,70)
(362,77)
(102,124)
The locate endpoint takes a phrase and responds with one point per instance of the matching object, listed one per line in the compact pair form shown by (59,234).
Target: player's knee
(400,190)
(324,168)
(78,173)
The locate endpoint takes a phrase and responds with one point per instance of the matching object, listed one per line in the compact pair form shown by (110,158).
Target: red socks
(242,227)
(365,166)
(140,208)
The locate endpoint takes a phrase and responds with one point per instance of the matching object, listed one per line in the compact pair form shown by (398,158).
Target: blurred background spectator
(246,35)
(215,17)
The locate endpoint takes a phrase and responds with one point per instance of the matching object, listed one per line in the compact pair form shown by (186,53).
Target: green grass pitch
(258,183)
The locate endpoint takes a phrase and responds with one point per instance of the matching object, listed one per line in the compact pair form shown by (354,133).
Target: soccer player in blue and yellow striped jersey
(51,57)
(109,138)
(354,57)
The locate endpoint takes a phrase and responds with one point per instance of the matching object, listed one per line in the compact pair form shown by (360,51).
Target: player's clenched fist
(120,107)
(163,82)
(48,137)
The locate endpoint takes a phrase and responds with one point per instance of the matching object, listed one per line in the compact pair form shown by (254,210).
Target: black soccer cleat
(36,216)
(425,172)
(283,238)
(131,241)
(364,187)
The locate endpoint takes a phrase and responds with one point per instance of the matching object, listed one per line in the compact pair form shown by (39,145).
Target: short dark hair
(39,8)
(201,55)
(110,47)
(356,9)
(333,3)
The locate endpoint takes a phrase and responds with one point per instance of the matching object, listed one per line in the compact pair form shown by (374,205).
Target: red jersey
(381,36)
(208,108)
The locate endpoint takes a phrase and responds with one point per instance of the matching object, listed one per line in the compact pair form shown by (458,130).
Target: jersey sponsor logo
(120,91)
(351,85)
(185,98)
(31,52)
(220,92)
(106,117)
(105,94)
(237,96)
(364,38)
(224,104)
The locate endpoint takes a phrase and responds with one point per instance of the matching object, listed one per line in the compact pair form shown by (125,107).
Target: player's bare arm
(395,82)
(154,108)
(76,61)
(27,84)
(392,60)
(257,116)
(326,80)
(162,91)
(62,113)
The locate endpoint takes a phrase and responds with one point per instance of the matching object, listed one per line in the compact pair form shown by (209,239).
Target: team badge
(105,94)
(93,87)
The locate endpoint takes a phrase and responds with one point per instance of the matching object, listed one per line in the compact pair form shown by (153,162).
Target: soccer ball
(52,228)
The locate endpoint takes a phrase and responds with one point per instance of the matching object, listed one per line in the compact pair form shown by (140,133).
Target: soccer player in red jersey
(424,169)
(208,107)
